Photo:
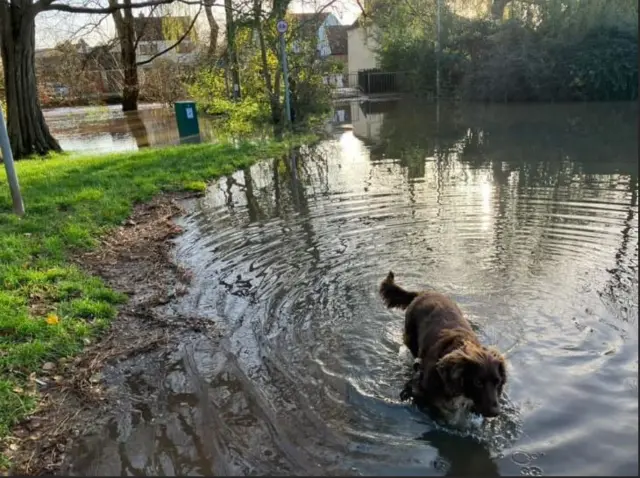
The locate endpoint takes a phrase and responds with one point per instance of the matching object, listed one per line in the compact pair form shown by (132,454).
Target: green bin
(187,119)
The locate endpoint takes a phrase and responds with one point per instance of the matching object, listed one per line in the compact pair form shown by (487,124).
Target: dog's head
(477,373)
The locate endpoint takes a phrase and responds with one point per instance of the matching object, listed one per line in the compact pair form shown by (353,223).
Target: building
(361,49)
(330,36)
(338,52)
(155,34)
(307,26)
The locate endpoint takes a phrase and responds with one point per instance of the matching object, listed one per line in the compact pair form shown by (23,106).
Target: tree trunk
(214,29)
(274,100)
(123,20)
(231,49)
(497,9)
(27,129)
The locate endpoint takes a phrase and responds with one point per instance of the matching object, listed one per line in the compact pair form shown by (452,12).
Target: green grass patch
(48,306)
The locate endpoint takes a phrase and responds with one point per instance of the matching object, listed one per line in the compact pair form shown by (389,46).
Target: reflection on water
(527,216)
(105,129)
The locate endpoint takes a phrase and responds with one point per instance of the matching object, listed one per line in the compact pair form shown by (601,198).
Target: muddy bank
(81,396)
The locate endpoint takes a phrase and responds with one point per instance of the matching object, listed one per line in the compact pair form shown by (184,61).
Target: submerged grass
(48,306)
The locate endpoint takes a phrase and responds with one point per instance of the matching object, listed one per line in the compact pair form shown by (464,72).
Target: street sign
(281,26)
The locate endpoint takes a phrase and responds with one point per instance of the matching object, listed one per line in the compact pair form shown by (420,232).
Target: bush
(519,60)
(162,82)
(209,91)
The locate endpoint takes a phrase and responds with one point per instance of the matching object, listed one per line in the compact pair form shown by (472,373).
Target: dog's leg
(407,391)
(417,364)
(412,389)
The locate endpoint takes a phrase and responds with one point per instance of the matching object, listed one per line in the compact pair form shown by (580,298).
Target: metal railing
(366,83)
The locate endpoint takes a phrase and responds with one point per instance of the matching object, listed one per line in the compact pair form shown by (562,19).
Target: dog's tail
(394,295)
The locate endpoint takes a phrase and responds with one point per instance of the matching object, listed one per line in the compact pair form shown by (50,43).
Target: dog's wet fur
(453,371)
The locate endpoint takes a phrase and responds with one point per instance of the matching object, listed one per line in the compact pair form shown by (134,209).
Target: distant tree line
(512,50)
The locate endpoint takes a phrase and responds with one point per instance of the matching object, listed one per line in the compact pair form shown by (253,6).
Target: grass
(49,307)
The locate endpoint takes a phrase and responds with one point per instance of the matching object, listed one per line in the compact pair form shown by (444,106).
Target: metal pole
(12,177)
(438,48)
(285,74)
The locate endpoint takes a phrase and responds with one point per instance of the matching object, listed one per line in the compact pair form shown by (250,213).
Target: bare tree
(123,20)
(28,131)
(214,29)
(125,28)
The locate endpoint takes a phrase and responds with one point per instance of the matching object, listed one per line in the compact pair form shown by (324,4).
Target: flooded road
(525,215)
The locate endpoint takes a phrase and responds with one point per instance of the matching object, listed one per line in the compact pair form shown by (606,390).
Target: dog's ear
(451,370)
(497,356)
(502,370)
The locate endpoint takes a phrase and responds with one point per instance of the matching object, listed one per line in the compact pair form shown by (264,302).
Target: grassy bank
(49,308)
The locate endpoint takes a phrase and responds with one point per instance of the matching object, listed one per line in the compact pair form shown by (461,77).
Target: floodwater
(106,129)
(525,215)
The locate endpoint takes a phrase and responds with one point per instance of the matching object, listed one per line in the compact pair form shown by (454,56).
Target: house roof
(308,24)
(154,28)
(358,21)
(310,17)
(338,39)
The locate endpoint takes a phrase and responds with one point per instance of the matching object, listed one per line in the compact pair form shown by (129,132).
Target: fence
(366,83)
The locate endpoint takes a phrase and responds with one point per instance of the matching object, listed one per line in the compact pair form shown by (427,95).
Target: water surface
(107,129)
(525,215)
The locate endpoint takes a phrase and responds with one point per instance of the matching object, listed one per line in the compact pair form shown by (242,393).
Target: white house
(330,36)
(155,34)
(361,49)
(314,24)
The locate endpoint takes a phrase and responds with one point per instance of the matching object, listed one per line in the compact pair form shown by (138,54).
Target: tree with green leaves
(514,50)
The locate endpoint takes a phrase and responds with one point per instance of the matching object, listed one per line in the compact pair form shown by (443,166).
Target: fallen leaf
(48,366)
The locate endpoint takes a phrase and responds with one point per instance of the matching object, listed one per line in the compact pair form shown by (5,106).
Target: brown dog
(453,370)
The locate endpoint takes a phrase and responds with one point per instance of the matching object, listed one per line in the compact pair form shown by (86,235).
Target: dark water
(526,215)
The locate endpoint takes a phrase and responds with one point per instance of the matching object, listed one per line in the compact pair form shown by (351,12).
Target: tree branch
(144,27)
(47,5)
(186,33)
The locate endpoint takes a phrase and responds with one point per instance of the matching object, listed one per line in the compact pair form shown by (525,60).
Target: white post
(12,177)
(438,48)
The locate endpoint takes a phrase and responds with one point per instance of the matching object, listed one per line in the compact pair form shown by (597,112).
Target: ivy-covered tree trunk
(274,97)
(28,131)
(232,54)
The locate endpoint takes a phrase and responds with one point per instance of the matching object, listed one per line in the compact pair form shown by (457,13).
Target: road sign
(281,26)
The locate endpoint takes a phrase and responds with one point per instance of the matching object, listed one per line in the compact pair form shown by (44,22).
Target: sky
(55,27)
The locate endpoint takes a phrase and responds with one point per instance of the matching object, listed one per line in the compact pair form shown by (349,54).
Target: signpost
(12,177)
(282,26)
